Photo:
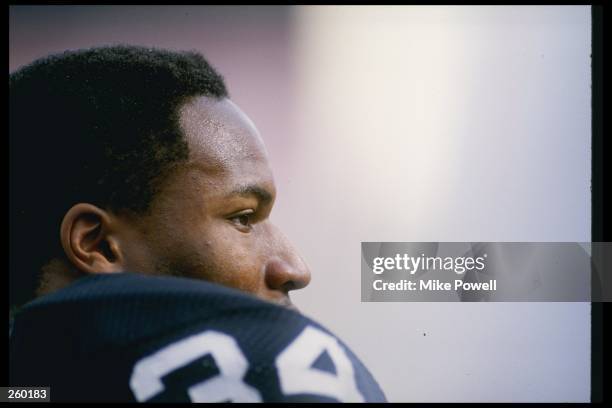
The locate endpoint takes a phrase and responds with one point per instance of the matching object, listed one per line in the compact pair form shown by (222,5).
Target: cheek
(214,252)
(233,260)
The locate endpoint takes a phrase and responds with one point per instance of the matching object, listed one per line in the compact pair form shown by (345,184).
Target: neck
(56,274)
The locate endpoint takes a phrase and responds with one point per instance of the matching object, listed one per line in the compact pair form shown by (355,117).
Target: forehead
(220,136)
(226,153)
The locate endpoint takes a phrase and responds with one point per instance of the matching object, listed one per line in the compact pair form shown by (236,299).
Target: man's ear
(90,241)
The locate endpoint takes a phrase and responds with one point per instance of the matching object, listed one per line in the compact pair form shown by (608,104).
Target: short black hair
(97,125)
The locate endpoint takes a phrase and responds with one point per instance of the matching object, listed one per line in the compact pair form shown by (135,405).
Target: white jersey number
(293,364)
(228,385)
(296,375)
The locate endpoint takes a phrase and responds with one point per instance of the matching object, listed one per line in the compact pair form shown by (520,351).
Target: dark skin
(209,221)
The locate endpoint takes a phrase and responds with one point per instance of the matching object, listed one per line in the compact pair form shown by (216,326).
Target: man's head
(134,159)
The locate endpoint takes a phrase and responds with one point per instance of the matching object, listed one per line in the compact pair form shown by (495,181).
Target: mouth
(285,302)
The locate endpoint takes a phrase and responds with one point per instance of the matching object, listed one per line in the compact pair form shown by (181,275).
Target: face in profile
(210,219)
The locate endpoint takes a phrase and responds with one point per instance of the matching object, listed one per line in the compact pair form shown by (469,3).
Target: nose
(285,276)
(285,270)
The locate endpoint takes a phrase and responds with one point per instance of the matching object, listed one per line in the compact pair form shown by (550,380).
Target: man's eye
(243,220)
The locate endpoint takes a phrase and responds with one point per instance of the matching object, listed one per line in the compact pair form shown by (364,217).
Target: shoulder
(252,357)
(172,339)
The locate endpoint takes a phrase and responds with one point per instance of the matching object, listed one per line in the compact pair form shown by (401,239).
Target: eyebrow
(263,195)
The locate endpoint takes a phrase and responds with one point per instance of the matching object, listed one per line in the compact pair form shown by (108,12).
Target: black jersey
(130,337)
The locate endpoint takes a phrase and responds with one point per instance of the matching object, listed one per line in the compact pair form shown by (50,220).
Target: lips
(291,306)
(285,302)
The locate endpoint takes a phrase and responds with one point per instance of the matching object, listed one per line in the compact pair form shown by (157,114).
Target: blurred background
(401,123)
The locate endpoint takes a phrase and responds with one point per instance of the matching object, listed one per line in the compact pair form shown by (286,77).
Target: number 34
(293,365)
